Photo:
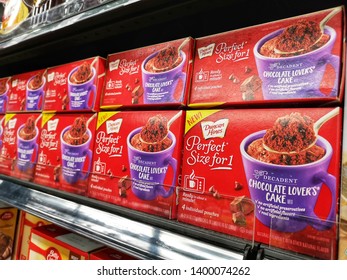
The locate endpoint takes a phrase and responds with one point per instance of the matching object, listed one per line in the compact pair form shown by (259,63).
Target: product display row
(238,132)
(235,68)
(275,179)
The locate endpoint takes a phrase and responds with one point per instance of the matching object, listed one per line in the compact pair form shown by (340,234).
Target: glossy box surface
(286,201)
(75,86)
(19,151)
(65,151)
(243,67)
(150,76)
(27,91)
(141,177)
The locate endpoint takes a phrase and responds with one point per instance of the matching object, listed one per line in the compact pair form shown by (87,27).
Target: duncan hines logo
(12,123)
(52,125)
(57,78)
(19,84)
(215,129)
(114,65)
(206,51)
(113,126)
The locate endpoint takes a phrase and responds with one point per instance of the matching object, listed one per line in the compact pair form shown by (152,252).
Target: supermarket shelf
(135,238)
(116,26)
(139,234)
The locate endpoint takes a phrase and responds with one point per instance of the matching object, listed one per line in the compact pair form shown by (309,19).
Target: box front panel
(232,184)
(27,92)
(135,173)
(253,66)
(65,151)
(151,76)
(75,86)
(19,149)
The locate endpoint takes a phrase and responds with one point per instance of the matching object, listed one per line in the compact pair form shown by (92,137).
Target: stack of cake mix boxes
(68,124)
(5,84)
(22,103)
(269,175)
(49,123)
(237,132)
(137,154)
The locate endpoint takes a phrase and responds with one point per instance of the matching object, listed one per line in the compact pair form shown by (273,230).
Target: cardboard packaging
(138,173)
(232,184)
(8,225)
(267,64)
(5,84)
(75,86)
(110,254)
(150,76)
(65,153)
(26,223)
(19,149)
(27,92)
(50,242)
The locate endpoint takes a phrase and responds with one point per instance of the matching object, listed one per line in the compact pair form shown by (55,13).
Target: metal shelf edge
(135,238)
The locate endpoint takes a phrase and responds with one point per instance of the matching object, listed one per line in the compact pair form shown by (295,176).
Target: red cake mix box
(27,92)
(136,160)
(65,153)
(284,61)
(51,242)
(110,254)
(26,223)
(19,151)
(264,175)
(157,75)
(5,84)
(75,86)
(8,226)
